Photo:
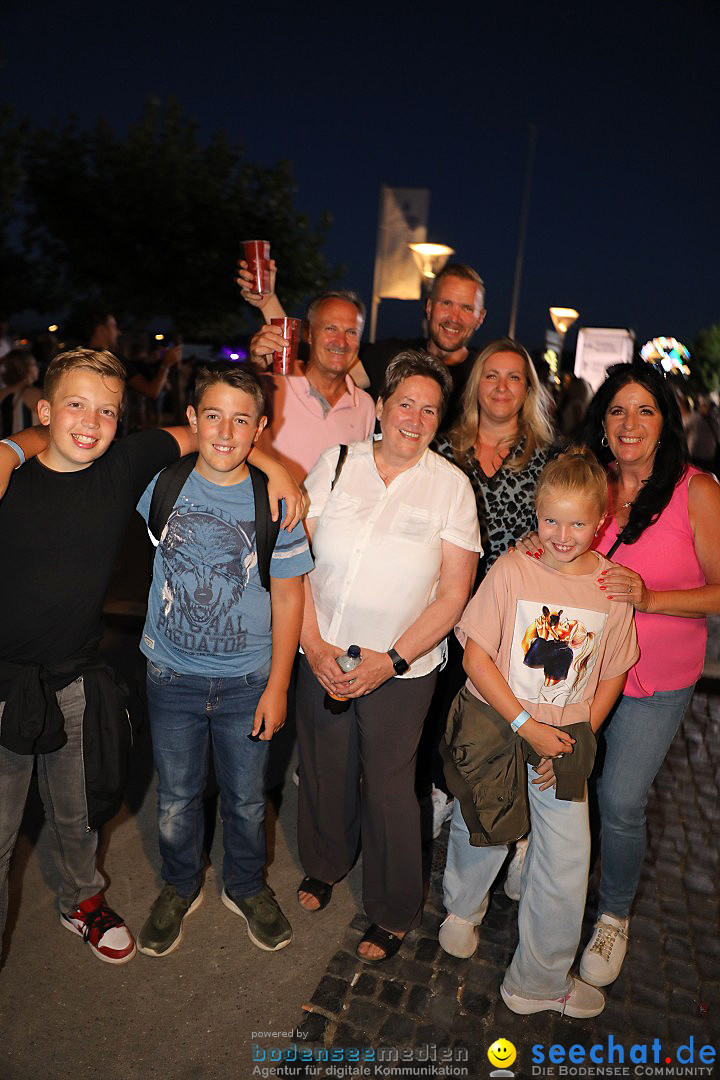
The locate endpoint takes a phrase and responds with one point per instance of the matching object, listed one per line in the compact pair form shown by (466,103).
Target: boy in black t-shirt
(63,518)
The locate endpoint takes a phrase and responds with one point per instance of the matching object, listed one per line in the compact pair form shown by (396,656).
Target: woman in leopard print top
(501,442)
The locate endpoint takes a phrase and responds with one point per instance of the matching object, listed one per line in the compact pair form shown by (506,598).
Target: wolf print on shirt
(553,651)
(207,558)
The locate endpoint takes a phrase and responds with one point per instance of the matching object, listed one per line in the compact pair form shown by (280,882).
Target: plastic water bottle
(346,662)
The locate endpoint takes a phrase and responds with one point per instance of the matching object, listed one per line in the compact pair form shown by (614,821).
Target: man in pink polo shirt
(323,407)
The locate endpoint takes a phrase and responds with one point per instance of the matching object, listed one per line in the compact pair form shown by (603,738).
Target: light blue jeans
(637,738)
(554,887)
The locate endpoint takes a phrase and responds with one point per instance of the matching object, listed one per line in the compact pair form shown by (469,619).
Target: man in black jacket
(454,311)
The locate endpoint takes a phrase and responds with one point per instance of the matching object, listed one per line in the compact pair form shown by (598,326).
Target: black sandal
(384,939)
(321,890)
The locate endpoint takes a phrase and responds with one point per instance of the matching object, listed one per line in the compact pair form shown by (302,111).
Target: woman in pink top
(662,536)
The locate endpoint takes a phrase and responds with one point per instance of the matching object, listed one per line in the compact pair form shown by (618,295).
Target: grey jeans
(61,781)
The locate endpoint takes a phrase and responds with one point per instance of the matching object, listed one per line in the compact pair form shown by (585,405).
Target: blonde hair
(575,472)
(97,360)
(534,427)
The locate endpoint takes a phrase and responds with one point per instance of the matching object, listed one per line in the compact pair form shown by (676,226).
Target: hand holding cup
(266,341)
(247,282)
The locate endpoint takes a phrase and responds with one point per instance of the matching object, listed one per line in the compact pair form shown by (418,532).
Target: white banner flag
(402,221)
(598,349)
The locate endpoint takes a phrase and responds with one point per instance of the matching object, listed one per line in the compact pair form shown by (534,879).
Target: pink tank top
(672,648)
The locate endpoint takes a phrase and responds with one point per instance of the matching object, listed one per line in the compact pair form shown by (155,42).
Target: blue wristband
(520,720)
(16,448)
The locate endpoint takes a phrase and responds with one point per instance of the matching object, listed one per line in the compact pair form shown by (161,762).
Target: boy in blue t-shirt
(220,649)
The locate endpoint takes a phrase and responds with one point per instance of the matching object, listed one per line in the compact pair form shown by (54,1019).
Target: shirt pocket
(416,524)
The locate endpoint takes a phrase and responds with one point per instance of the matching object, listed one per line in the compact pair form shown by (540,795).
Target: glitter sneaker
(604,954)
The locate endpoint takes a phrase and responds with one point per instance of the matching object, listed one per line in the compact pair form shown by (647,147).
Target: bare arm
(457,574)
(607,693)
(32,441)
(281,485)
(268,304)
(320,654)
(286,599)
(622,584)
(456,577)
(546,740)
(152,388)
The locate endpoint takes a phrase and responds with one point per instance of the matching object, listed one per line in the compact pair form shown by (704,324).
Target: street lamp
(430,259)
(563,318)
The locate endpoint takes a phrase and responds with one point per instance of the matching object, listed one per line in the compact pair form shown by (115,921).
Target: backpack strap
(169,484)
(614,548)
(266,530)
(340,462)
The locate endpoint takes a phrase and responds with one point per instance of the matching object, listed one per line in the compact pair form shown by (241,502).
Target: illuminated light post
(562,320)
(430,259)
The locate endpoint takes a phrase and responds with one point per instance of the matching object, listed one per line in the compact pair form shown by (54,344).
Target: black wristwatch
(400,665)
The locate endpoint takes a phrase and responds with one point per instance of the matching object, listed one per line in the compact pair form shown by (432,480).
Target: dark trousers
(429,763)
(376,740)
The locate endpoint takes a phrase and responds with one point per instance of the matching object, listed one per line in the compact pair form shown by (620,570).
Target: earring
(604,441)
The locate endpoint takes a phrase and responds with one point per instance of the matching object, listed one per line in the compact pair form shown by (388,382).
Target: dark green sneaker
(163,930)
(267,927)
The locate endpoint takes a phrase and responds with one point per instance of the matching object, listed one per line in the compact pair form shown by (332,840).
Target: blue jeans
(61,780)
(554,887)
(187,712)
(637,738)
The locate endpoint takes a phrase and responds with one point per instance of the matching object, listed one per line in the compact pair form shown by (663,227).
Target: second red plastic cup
(284,360)
(257,255)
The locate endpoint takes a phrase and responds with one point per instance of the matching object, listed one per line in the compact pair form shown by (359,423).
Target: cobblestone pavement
(428,1002)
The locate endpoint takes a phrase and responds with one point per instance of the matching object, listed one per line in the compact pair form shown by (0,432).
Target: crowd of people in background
(523,564)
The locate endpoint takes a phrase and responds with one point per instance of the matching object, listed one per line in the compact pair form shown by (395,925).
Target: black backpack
(169,485)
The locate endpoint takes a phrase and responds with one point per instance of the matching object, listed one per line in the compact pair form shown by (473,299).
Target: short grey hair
(349,295)
(411,362)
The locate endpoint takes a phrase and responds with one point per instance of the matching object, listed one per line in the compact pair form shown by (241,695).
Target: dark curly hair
(671,458)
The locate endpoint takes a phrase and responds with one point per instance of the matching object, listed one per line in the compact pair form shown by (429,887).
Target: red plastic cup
(284,360)
(257,255)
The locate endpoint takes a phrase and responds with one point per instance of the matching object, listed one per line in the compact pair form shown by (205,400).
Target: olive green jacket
(485,768)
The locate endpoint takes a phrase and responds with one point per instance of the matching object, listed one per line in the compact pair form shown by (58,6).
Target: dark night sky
(624,221)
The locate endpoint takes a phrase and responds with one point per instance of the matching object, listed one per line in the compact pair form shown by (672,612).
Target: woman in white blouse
(395,539)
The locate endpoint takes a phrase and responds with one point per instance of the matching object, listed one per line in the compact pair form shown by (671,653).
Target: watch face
(399,664)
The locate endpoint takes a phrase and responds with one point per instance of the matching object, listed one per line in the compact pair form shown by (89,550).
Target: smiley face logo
(502,1053)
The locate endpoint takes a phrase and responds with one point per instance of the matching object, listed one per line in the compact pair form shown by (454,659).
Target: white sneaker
(582,1001)
(604,954)
(515,869)
(458,937)
(442,808)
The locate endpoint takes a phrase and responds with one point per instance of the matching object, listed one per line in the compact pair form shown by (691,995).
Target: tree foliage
(19,287)
(705,357)
(150,223)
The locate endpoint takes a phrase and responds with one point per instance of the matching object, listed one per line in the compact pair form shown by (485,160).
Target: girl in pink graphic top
(546,654)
